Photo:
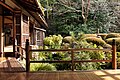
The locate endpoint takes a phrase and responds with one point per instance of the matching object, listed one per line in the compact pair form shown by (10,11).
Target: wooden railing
(21,52)
(72,61)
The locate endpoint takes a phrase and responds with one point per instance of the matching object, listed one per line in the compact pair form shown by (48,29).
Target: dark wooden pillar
(27,56)
(1,35)
(114,55)
(14,33)
(72,59)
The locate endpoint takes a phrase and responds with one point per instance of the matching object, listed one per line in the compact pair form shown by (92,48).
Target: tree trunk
(85,10)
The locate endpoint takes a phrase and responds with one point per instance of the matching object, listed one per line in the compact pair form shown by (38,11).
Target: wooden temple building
(20,20)
(24,19)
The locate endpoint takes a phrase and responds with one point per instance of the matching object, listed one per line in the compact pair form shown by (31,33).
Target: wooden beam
(6,6)
(75,50)
(69,61)
(55,61)
(8,18)
(40,21)
(40,29)
(17,11)
(79,61)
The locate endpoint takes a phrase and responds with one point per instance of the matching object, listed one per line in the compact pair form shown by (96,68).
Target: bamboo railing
(72,61)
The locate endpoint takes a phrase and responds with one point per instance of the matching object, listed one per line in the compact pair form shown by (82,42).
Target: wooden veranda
(11,68)
(10,64)
(65,75)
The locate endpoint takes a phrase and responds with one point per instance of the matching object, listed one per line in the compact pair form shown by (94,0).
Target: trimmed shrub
(103,36)
(113,35)
(109,41)
(107,46)
(95,40)
(90,35)
(68,39)
(65,45)
(42,67)
(53,41)
(118,60)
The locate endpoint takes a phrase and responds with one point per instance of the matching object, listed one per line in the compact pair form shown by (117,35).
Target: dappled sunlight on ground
(108,74)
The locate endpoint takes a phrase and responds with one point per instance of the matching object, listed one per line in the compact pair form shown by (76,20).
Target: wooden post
(27,56)
(14,34)
(114,56)
(72,57)
(30,54)
(2,45)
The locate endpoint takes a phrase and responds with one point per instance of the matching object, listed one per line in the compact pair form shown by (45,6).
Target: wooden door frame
(4,5)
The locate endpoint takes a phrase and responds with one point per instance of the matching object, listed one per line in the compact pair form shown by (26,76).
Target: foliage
(53,41)
(62,56)
(109,41)
(98,16)
(118,60)
(68,39)
(90,55)
(90,35)
(87,55)
(103,36)
(66,16)
(78,41)
(42,66)
(95,40)
(112,35)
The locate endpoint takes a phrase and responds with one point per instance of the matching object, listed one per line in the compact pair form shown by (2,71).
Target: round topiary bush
(103,36)
(65,45)
(68,39)
(95,40)
(90,35)
(109,41)
(107,46)
(113,35)
(42,67)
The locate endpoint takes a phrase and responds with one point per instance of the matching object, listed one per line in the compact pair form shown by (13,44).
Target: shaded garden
(80,41)
(75,24)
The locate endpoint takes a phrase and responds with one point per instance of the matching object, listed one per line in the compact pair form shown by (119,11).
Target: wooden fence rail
(21,51)
(72,61)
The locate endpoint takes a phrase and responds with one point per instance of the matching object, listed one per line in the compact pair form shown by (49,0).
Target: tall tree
(85,9)
(81,16)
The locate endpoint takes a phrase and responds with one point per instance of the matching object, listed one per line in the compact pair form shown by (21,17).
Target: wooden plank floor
(10,69)
(10,65)
(67,75)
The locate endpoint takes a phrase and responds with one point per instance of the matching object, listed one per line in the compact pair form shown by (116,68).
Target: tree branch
(70,8)
(68,11)
(85,10)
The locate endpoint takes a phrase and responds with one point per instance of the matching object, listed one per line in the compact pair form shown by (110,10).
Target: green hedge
(68,39)
(42,67)
(113,35)
(90,35)
(109,41)
(95,40)
(103,36)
